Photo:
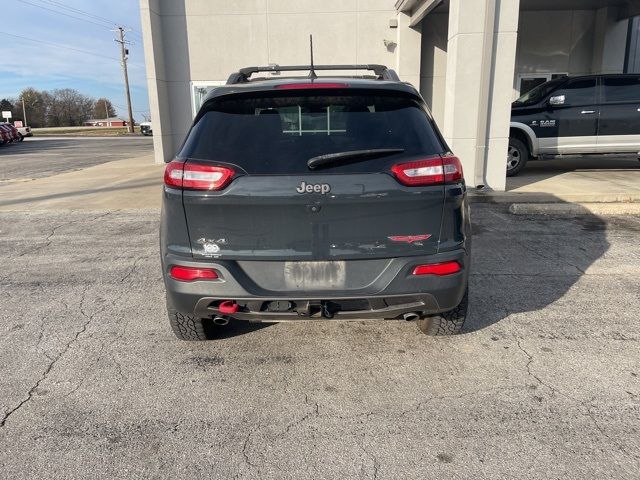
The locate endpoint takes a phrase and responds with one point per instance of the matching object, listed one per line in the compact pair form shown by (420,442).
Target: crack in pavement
(47,370)
(530,373)
(49,241)
(575,401)
(315,412)
(372,457)
(245,446)
(132,269)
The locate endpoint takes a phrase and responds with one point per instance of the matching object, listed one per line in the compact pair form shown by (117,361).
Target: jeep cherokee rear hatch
(329,173)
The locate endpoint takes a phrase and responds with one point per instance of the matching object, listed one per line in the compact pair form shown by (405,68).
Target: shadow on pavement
(232,329)
(79,193)
(515,255)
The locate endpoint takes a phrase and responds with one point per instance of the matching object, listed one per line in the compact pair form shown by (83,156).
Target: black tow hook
(327,312)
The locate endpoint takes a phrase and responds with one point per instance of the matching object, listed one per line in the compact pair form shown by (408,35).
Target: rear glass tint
(279,134)
(622,89)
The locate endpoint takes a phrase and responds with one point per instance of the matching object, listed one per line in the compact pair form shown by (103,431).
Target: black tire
(20,137)
(185,326)
(447,323)
(517,156)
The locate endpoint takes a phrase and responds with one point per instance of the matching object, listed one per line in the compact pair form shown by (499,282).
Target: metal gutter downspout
(486,73)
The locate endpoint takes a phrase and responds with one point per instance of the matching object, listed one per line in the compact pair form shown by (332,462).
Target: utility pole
(106,111)
(24,112)
(124,52)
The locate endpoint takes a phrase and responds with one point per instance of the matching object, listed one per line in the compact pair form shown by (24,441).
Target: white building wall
(574,42)
(610,41)
(433,71)
(206,40)
(555,41)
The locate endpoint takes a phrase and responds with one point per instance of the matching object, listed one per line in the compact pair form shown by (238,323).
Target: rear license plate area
(315,275)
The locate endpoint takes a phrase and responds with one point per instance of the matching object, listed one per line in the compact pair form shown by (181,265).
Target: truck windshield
(538,93)
(279,133)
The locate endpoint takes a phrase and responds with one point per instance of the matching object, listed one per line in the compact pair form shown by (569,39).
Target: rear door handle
(589,112)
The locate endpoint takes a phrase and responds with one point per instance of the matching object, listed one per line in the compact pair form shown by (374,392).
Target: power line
(124,108)
(59,46)
(78,11)
(66,14)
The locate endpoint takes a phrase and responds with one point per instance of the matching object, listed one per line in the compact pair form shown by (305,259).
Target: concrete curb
(540,198)
(570,209)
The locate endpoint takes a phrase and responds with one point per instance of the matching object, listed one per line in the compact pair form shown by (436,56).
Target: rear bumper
(394,292)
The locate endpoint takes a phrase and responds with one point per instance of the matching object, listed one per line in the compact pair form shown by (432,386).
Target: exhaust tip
(221,320)
(411,316)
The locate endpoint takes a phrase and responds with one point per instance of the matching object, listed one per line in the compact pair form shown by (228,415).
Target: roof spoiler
(242,75)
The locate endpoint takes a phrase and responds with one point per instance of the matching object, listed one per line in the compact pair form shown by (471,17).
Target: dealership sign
(6,115)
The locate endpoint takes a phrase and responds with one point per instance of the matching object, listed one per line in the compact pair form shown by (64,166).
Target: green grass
(84,132)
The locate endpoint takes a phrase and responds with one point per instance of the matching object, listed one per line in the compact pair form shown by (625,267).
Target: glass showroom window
(199,90)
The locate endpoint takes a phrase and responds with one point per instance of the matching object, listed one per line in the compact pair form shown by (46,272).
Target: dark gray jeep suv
(314,198)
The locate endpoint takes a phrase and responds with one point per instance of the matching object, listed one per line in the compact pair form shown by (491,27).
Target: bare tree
(69,108)
(102,107)
(35,107)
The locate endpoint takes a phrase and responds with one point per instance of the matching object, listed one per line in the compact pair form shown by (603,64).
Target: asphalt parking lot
(544,384)
(39,157)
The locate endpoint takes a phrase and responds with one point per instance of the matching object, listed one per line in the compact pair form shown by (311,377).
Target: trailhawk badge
(322,188)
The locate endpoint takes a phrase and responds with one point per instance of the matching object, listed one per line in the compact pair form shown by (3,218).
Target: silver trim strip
(618,143)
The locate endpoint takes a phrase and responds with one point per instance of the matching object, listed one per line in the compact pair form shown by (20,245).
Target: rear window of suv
(278,134)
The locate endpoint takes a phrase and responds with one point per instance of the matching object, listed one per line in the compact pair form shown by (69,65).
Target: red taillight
(305,86)
(452,169)
(196,176)
(430,171)
(189,274)
(445,268)
(421,172)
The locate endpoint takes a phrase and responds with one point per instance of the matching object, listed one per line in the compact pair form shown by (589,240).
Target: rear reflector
(430,171)
(445,268)
(305,86)
(196,176)
(189,274)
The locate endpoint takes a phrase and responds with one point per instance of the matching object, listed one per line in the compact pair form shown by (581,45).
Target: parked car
(145,128)
(25,131)
(11,133)
(591,114)
(335,198)
(4,135)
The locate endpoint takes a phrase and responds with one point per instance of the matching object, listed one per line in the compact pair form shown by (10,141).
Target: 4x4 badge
(322,188)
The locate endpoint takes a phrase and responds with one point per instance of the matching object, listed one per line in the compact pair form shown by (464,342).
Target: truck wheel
(186,326)
(447,323)
(517,156)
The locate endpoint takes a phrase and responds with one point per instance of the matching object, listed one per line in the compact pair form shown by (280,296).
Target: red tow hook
(228,307)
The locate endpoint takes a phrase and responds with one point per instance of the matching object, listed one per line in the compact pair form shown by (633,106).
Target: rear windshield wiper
(352,156)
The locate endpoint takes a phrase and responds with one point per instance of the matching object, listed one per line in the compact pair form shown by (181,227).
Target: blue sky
(25,63)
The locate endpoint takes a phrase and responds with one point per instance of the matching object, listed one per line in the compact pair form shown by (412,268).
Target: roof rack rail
(242,75)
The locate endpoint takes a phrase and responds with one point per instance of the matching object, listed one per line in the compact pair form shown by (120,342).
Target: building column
(408,50)
(481,50)
(610,41)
